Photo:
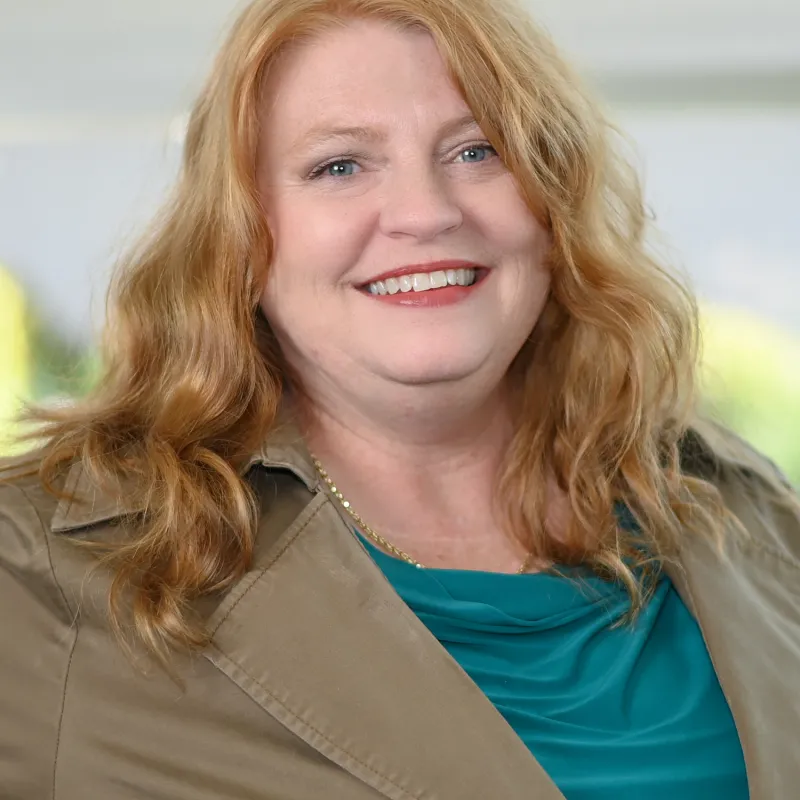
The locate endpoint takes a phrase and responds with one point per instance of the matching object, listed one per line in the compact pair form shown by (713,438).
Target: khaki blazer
(320,682)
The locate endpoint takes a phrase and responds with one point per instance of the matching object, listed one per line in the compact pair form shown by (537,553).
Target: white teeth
(423,281)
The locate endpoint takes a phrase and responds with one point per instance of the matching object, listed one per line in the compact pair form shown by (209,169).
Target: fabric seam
(62,711)
(751,543)
(271,563)
(46,538)
(316,730)
(263,688)
(71,614)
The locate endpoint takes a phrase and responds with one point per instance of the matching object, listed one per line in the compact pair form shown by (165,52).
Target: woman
(394,485)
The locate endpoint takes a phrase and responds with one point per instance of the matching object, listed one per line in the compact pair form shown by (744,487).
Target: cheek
(526,244)
(523,232)
(317,235)
(316,244)
(506,220)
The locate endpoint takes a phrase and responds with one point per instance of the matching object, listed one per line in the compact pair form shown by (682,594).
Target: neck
(424,438)
(425,480)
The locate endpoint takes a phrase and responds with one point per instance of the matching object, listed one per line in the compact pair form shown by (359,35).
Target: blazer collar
(84,505)
(704,448)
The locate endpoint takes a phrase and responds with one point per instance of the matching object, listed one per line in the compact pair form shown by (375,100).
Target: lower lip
(431,298)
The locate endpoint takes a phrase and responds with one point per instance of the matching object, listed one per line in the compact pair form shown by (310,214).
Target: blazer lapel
(317,636)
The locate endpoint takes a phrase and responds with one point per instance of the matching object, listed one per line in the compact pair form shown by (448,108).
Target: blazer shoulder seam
(45,536)
(751,542)
(61,711)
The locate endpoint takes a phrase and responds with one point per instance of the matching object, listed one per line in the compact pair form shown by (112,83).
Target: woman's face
(369,162)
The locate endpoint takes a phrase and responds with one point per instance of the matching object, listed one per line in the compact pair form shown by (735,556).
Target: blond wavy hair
(193,377)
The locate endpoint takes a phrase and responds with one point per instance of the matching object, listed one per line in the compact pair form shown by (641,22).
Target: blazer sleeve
(37,637)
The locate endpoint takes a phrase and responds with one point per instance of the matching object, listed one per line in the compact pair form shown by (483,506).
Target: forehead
(367,73)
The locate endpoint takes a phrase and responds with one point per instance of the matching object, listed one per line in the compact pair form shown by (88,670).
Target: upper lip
(430,266)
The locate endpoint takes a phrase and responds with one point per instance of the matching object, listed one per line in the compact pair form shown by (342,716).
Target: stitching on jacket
(313,728)
(70,613)
(46,538)
(61,712)
(263,688)
(272,562)
(751,543)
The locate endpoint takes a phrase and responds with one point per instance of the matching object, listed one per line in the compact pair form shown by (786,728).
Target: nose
(419,204)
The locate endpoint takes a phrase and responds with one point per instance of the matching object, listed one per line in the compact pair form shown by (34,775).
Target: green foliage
(14,352)
(751,381)
(60,369)
(36,363)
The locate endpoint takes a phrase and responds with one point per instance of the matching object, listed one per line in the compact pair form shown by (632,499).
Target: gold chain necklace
(376,537)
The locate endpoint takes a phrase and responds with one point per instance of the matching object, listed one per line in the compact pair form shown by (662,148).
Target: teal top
(623,713)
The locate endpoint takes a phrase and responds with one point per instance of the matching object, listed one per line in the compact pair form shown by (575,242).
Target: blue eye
(335,169)
(477,153)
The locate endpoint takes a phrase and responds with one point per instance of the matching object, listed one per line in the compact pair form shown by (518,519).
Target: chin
(427,371)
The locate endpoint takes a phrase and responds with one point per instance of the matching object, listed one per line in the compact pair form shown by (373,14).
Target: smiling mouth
(425,281)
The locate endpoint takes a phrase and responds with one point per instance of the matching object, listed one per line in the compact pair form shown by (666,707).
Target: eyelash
(345,158)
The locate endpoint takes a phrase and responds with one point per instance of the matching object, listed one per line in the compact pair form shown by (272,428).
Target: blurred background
(93,103)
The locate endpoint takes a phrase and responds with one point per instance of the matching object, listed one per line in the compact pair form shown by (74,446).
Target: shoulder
(37,635)
(26,511)
(710,446)
(751,486)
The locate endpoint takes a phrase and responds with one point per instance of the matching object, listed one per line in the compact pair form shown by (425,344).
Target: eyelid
(320,168)
(318,171)
(482,143)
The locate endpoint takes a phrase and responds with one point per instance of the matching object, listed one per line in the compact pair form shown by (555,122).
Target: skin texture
(406,407)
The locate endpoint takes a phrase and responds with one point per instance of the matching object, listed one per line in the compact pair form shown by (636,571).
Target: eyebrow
(323,133)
